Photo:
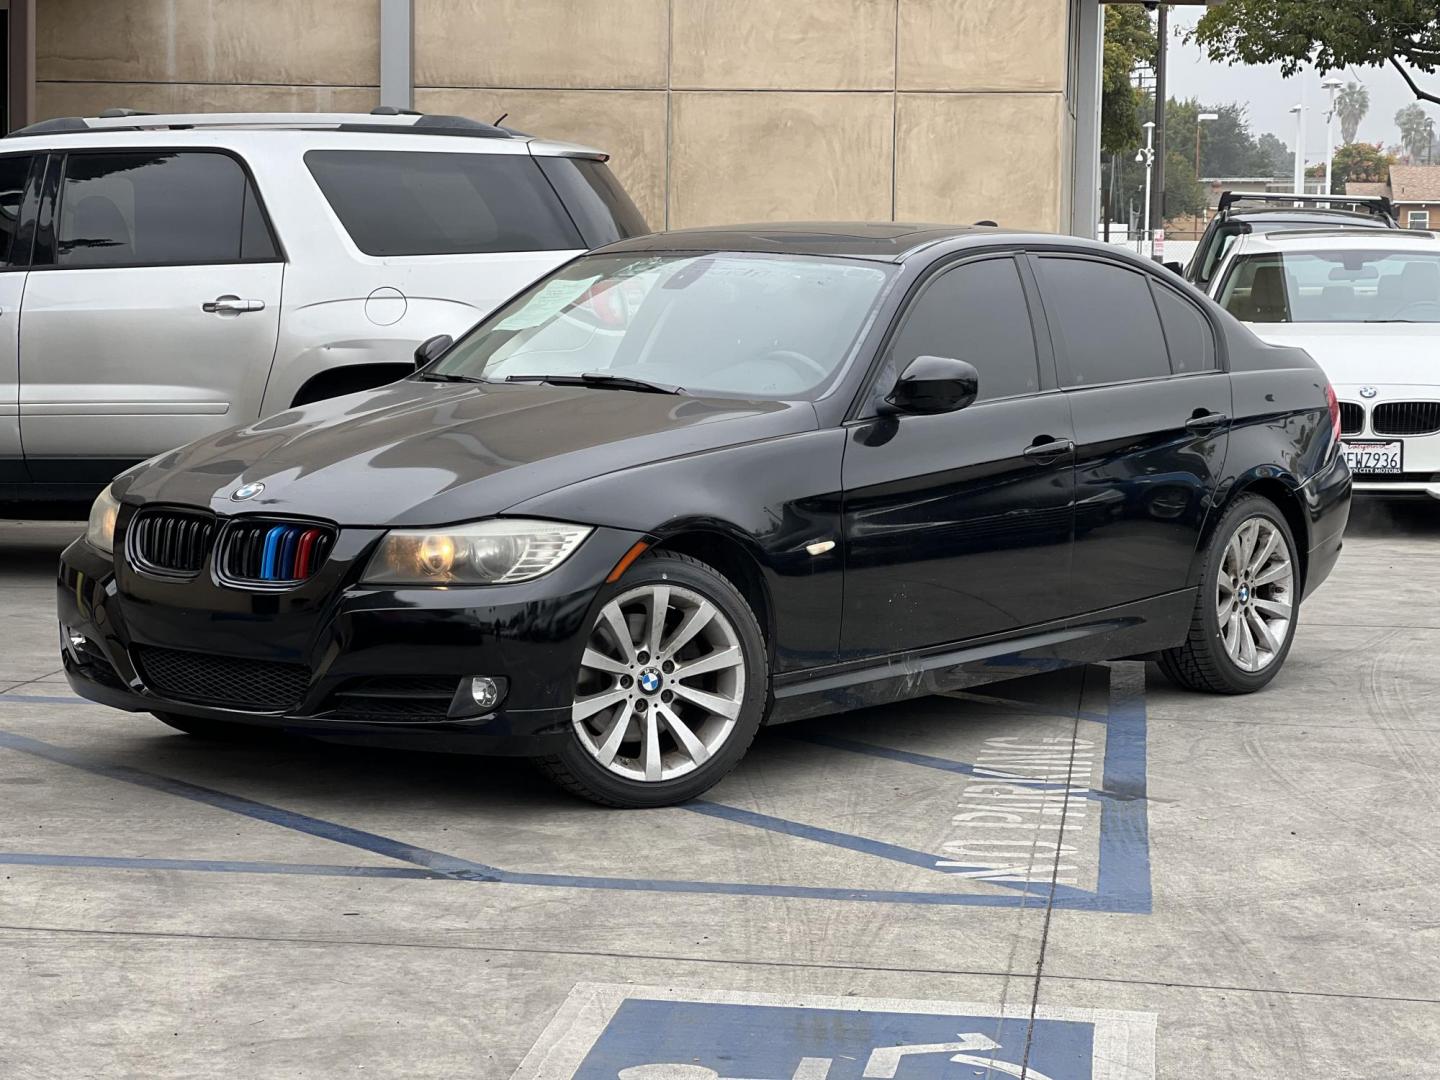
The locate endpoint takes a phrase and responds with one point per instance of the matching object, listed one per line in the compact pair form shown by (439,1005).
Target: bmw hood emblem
(1368,391)
(249,491)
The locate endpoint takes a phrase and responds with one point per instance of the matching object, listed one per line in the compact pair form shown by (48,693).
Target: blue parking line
(1123,877)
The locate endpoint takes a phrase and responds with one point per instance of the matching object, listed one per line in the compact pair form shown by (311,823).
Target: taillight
(1334,403)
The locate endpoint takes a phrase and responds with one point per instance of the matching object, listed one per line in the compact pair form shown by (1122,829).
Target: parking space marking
(223,866)
(618,1032)
(1122,874)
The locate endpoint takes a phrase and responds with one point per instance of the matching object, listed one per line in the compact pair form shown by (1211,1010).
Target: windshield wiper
(442,376)
(600,380)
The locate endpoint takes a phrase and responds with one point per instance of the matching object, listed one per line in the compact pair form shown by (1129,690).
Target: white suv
(163,277)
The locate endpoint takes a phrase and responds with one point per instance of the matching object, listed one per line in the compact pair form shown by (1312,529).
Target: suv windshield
(759,326)
(1334,286)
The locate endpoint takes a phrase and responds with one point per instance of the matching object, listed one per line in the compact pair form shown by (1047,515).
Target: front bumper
(332,636)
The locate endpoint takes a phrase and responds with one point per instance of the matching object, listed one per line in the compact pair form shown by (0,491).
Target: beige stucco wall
(712,110)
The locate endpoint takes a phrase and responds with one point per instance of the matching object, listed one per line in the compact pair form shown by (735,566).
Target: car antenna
(987,221)
(498,122)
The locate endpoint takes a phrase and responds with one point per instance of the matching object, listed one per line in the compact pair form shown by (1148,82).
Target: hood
(1368,354)
(428,453)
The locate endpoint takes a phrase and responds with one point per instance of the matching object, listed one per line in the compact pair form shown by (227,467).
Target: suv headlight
(495,552)
(100,532)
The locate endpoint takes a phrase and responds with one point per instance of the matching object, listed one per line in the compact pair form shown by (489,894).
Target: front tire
(671,688)
(1249,603)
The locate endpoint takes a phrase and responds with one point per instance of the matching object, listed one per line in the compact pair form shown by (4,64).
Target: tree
(1358,161)
(1276,159)
(1417,131)
(1351,105)
(1129,39)
(1402,33)
(1184,195)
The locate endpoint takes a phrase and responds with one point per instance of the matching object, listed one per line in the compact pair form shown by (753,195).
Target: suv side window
(158,208)
(1104,315)
(14,177)
(595,199)
(975,312)
(408,202)
(1187,332)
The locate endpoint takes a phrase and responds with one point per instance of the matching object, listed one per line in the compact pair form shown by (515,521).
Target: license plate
(1375,457)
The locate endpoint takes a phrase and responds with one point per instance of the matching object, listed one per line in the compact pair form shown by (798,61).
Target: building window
(1418,219)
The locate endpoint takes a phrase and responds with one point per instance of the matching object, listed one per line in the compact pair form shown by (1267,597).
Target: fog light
(486,692)
(77,640)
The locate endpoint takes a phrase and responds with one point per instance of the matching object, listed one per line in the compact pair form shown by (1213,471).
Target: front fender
(775,499)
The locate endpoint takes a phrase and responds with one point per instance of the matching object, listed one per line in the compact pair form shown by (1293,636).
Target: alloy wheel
(661,683)
(1254,594)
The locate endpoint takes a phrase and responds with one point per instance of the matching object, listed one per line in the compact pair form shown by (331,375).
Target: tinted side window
(156,209)
(398,202)
(976,312)
(1105,317)
(1187,332)
(14,171)
(595,199)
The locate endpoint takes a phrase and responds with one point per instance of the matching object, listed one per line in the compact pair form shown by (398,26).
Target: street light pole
(1332,85)
(1200,119)
(1147,155)
(1299,177)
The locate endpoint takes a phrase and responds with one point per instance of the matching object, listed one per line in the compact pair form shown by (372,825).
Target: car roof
(886,241)
(412,130)
(1300,215)
(1337,240)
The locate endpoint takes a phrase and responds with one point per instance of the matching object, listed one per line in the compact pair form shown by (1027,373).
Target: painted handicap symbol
(883,1063)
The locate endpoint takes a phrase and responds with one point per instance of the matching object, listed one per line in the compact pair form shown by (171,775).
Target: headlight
(494,552)
(100,532)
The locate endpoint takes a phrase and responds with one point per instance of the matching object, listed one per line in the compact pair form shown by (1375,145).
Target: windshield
(1334,286)
(758,326)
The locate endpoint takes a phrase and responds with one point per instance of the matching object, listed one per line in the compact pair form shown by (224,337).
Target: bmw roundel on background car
(700,481)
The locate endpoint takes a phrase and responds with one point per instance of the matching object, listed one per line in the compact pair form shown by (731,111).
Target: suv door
(958,525)
(151,310)
(19,191)
(1151,407)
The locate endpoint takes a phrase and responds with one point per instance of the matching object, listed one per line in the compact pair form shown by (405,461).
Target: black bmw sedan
(696,482)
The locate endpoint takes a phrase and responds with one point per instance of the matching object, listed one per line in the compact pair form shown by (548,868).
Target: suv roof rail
(1373,204)
(384,119)
(1341,233)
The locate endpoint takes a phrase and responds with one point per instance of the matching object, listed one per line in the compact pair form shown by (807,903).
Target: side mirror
(431,348)
(1176,268)
(934,384)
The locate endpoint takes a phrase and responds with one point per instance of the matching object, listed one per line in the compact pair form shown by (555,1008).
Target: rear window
(400,202)
(595,199)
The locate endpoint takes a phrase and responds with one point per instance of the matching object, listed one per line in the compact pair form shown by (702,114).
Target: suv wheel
(1249,601)
(671,688)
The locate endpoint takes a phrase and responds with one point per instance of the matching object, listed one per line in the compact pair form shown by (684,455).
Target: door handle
(231,305)
(1045,451)
(1206,421)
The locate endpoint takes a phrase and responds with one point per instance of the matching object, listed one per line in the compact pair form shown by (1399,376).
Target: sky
(1269,97)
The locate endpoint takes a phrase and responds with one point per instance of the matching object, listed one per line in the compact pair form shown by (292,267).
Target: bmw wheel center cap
(249,491)
(649,680)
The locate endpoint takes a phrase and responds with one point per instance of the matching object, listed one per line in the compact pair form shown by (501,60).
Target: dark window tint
(396,202)
(158,209)
(1187,332)
(977,313)
(14,171)
(595,199)
(1107,321)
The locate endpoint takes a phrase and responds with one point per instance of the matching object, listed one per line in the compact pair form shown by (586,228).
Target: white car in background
(1366,306)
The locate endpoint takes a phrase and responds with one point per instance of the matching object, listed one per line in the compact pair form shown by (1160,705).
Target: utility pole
(1332,85)
(1156,202)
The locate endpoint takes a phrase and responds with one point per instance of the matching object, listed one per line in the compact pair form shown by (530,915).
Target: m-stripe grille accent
(274,552)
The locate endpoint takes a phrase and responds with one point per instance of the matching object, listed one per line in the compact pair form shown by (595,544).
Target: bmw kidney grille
(274,552)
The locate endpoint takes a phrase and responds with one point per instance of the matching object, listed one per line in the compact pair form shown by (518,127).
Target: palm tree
(1351,105)
(1417,131)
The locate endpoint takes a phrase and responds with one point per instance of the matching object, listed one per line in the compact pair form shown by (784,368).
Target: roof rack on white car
(383,119)
(1366,236)
(1369,204)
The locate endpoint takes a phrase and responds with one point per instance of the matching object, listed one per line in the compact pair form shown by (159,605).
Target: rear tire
(220,730)
(1248,606)
(663,713)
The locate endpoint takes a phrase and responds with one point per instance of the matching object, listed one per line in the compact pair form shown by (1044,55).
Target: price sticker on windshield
(554,298)
(1375,457)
